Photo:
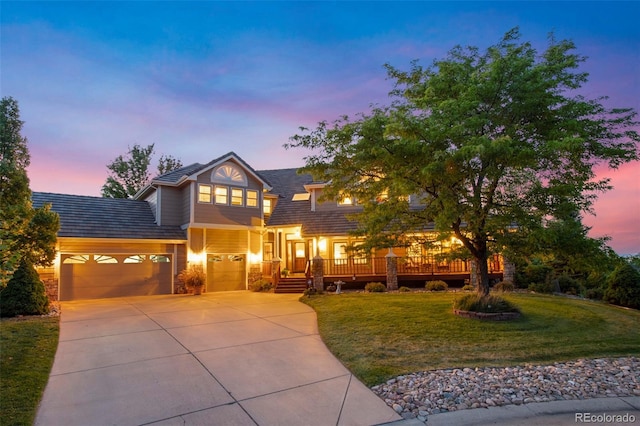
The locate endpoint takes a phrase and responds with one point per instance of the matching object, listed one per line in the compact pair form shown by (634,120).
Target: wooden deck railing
(411,265)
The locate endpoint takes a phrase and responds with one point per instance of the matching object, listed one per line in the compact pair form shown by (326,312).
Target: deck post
(392,270)
(509,270)
(317,271)
(473,276)
(275,271)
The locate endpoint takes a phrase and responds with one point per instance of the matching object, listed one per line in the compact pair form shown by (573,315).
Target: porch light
(322,244)
(195,258)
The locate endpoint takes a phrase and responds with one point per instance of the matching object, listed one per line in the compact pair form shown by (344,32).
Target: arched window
(229,173)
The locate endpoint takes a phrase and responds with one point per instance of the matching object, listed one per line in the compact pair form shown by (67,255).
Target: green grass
(27,348)
(379,336)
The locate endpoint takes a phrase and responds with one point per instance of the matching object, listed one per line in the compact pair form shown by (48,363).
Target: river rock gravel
(419,394)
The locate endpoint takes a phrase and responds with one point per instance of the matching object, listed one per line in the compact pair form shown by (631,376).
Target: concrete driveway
(231,358)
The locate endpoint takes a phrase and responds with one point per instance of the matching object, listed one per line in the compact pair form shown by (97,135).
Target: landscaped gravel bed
(429,392)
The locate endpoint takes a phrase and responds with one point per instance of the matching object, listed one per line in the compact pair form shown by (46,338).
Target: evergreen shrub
(24,294)
(623,287)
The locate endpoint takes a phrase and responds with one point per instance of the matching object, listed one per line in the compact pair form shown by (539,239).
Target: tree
(486,143)
(15,196)
(26,234)
(130,173)
(24,294)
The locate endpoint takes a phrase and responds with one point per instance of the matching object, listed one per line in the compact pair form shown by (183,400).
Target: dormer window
(229,173)
(346,201)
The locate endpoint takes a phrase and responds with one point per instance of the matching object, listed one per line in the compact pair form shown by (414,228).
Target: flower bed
(490,316)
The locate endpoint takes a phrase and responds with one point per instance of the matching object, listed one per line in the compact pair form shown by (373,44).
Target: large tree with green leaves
(26,234)
(129,173)
(484,142)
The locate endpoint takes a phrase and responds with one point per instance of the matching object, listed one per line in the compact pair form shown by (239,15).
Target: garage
(93,276)
(226,272)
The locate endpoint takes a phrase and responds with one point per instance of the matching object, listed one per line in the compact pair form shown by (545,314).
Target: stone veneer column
(317,271)
(473,273)
(392,270)
(275,270)
(509,273)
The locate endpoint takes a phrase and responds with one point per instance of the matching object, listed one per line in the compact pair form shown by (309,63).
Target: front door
(298,250)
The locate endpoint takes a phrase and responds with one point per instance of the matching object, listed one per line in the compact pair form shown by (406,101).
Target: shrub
(311,291)
(623,287)
(504,286)
(568,284)
(193,277)
(404,289)
(261,285)
(596,293)
(436,286)
(541,287)
(24,294)
(376,287)
(468,287)
(535,273)
(486,304)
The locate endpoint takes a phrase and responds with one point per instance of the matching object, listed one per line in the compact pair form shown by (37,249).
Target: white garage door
(226,272)
(95,276)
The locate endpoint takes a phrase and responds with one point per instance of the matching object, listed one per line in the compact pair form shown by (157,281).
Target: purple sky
(204,78)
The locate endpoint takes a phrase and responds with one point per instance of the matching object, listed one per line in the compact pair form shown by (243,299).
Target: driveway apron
(228,358)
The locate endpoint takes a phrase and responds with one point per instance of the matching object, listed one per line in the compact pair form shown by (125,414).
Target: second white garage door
(226,272)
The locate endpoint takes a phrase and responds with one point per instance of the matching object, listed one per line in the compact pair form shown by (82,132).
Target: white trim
(228,227)
(123,240)
(158,207)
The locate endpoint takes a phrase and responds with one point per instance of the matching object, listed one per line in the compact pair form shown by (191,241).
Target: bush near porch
(383,335)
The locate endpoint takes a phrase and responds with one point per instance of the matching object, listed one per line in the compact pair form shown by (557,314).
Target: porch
(411,270)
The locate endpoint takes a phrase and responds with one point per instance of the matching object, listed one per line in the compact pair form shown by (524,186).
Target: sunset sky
(200,79)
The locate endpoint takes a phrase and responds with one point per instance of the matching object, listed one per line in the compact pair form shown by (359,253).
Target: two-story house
(224,216)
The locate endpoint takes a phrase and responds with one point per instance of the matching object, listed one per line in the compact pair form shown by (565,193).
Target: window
(303,196)
(267,252)
(229,173)
(252,198)
(346,201)
(204,193)
(136,258)
(78,258)
(159,258)
(266,206)
(340,253)
(237,197)
(222,193)
(103,258)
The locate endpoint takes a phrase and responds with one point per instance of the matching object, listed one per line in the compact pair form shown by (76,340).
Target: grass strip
(27,349)
(379,336)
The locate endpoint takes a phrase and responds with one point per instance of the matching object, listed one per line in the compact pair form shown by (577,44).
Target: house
(225,216)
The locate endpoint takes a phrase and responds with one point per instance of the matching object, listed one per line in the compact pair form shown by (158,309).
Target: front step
(291,285)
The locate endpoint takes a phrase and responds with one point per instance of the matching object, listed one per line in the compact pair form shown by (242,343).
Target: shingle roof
(175,175)
(287,182)
(97,217)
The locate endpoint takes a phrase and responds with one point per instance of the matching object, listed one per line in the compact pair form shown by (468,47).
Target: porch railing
(411,265)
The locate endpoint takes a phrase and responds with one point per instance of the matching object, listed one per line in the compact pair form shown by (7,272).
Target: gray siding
(227,214)
(171,206)
(152,199)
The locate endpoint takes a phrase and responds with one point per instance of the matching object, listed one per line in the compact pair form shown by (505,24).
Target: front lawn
(27,348)
(379,336)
